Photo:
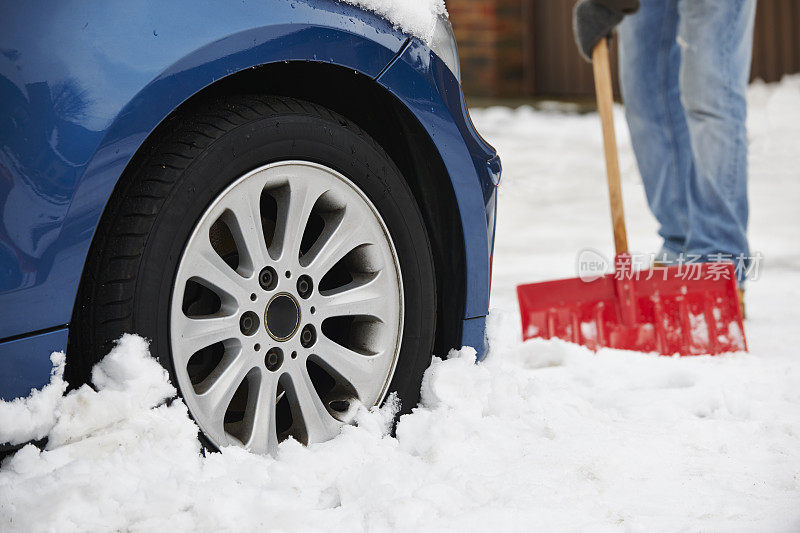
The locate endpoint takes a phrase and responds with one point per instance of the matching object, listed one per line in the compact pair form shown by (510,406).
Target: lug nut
(340,406)
(304,286)
(248,323)
(274,359)
(268,278)
(308,336)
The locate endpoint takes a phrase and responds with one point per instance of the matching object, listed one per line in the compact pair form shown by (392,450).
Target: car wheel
(277,260)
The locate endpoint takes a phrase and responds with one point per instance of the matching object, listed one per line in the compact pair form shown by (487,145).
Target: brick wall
(490,44)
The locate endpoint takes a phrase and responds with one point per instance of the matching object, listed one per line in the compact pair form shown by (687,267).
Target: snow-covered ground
(541,436)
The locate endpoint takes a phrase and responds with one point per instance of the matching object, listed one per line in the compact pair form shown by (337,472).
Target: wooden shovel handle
(605,106)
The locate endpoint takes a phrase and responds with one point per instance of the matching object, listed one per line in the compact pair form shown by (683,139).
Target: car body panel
(79,99)
(473,334)
(25,363)
(421,81)
(82,99)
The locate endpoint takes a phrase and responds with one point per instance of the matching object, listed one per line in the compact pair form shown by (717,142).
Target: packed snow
(415,17)
(542,435)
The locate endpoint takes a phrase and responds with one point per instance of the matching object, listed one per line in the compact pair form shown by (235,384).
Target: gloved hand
(593,20)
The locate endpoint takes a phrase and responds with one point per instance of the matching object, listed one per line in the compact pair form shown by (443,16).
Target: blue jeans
(684,67)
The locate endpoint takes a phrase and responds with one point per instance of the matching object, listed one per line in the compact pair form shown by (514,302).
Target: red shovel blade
(688,309)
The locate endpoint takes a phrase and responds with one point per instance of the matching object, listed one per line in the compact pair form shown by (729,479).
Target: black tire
(127,281)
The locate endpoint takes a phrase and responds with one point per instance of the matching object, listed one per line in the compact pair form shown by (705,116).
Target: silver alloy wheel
(238,293)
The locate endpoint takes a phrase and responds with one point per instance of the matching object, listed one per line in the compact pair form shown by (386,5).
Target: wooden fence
(776,44)
(555,69)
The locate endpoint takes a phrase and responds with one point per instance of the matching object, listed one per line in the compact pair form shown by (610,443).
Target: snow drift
(542,434)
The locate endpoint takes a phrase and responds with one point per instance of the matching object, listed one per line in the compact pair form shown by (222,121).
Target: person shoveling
(684,74)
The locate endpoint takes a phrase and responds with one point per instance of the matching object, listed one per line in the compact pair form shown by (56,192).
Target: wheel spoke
(264,435)
(294,208)
(335,243)
(359,370)
(197,333)
(207,268)
(246,226)
(357,299)
(319,424)
(222,384)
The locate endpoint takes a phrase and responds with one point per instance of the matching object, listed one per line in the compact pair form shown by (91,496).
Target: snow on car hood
(415,17)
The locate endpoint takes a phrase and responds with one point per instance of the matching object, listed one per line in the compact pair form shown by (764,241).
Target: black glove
(593,20)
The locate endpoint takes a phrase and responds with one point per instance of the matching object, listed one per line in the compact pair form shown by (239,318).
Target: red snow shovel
(688,309)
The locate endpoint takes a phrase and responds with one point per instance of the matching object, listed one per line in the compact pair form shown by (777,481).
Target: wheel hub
(282,317)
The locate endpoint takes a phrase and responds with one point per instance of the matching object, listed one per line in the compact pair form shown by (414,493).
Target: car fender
(424,84)
(84,149)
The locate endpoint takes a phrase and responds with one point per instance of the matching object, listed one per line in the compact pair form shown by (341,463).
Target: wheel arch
(360,99)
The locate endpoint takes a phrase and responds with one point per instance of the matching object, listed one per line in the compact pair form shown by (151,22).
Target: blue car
(286,197)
